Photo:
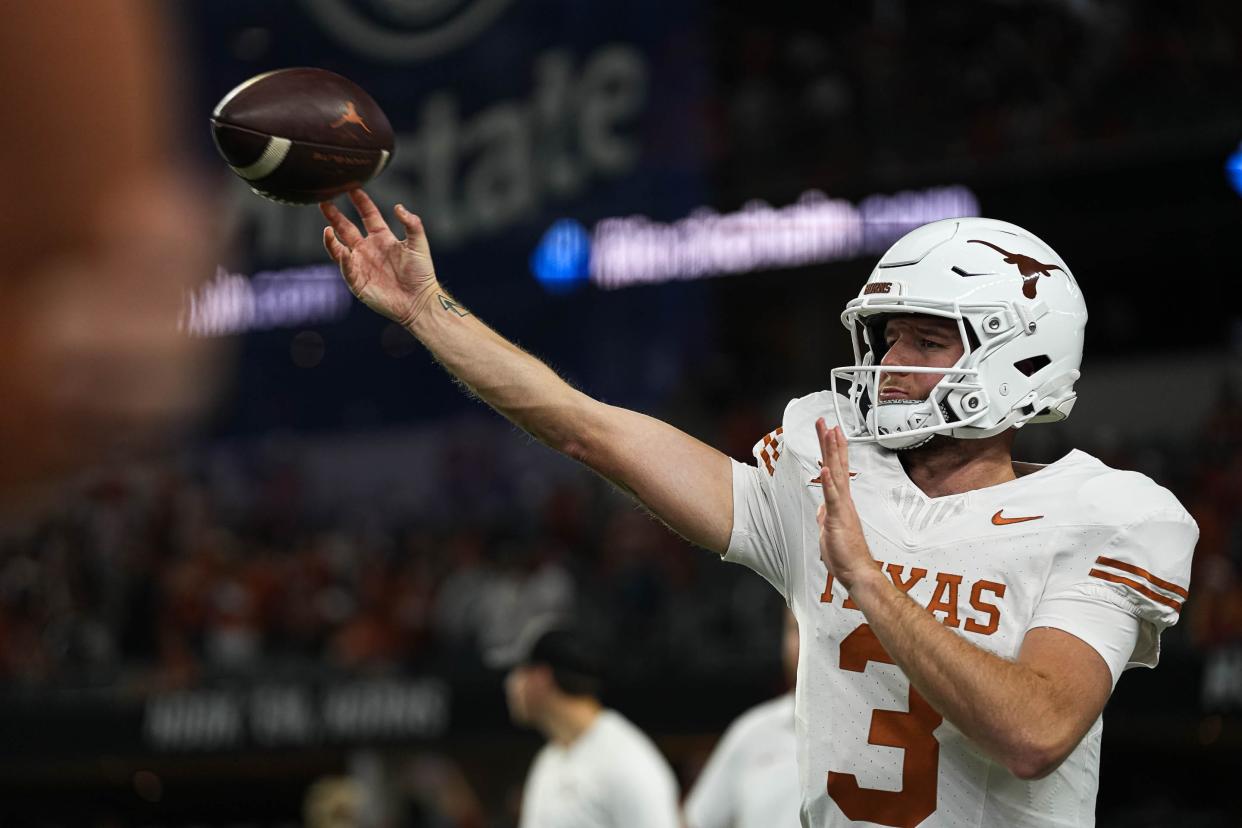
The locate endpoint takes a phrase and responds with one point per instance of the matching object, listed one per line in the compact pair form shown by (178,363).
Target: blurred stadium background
(280,621)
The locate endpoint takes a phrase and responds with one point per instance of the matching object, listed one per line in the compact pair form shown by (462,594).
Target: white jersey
(1100,553)
(751,779)
(611,776)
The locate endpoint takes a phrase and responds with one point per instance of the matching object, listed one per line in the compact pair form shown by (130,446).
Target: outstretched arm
(683,481)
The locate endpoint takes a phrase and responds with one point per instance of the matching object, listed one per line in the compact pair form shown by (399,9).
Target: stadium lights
(635,250)
(1233,169)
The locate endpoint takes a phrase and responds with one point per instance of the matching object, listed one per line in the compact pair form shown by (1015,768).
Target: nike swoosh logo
(999,520)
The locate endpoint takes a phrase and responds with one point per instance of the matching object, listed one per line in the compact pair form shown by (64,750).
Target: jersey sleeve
(1120,597)
(771,492)
(756,540)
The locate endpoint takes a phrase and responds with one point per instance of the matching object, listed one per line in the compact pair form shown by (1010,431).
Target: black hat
(574,659)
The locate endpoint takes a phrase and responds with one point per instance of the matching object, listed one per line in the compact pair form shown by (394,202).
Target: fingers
(835,464)
(827,464)
(336,250)
(843,453)
(372,220)
(413,224)
(825,443)
(840,461)
(344,230)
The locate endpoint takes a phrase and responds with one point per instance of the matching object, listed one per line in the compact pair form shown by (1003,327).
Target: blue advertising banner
(510,116)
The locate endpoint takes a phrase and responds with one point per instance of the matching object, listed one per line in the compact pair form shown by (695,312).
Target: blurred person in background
(597,769)
(333,802)
(999,601)
(105,237)
(431,790)
(751,778)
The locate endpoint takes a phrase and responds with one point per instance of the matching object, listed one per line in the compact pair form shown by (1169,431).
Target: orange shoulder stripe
(1137,587)
(1135,570)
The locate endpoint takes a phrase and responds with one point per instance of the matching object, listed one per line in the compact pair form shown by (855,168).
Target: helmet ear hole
(1027,367)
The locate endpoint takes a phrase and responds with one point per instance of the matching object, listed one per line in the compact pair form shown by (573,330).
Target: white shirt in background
(751,778)
(612,776)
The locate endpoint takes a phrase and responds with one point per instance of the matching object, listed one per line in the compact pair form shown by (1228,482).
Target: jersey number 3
(912,731)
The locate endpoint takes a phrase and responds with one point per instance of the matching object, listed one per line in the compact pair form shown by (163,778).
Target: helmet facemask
(959,400)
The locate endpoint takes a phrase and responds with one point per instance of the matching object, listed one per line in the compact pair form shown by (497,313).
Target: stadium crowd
(229,562)
(838,93)
(164,575)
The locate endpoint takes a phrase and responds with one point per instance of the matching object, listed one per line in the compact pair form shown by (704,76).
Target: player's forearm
(516,384)
(1005,707)
(685,482)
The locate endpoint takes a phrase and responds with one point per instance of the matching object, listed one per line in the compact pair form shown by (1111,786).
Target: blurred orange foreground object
(101,238)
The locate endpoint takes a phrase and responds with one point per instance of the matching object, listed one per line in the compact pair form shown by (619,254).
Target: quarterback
(963,617)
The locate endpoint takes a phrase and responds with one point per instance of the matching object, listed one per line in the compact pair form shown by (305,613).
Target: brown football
(303,135)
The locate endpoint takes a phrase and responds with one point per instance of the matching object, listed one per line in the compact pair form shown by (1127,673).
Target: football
(302,135)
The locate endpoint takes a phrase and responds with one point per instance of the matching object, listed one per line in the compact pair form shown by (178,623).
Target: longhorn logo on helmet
(1031,269)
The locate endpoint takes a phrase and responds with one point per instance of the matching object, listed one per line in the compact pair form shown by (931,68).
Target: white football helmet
(1018,310)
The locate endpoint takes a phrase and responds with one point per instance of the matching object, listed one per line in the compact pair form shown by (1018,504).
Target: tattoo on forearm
(450,305)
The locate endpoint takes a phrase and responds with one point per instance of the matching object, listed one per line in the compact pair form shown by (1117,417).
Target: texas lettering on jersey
(983,600)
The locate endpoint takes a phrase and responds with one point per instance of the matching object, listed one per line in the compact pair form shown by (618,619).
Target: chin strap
(889,421)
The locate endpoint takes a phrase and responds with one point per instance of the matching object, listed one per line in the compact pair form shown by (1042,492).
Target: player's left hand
(842,547)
